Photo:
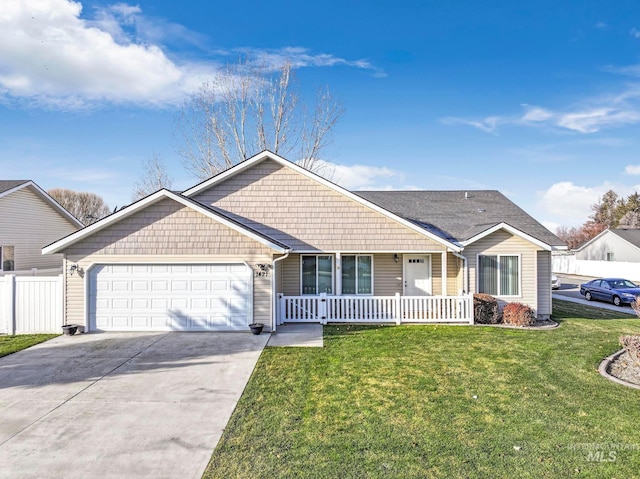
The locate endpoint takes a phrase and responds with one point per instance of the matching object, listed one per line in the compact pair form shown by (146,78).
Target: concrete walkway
(127,405)
(307,335)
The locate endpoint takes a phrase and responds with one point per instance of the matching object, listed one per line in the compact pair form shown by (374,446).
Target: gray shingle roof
(6,185)
(459,215)
(632,236)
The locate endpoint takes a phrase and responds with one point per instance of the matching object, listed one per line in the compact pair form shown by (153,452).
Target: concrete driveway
(127,405)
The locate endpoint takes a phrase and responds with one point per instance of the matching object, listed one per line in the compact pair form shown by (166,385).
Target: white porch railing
(375,309)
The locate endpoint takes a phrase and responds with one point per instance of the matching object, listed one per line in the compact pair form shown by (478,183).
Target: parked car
(616,290)
(555,282)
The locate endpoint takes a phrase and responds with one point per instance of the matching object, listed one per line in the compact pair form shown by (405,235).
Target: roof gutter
(274,294)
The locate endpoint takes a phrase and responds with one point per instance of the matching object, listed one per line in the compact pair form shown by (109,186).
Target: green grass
(398,401)
(11,344)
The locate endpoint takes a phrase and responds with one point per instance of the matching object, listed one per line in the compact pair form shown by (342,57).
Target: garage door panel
(202,297)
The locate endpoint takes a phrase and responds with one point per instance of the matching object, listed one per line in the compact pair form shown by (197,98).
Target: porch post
(444,273)
(338,291)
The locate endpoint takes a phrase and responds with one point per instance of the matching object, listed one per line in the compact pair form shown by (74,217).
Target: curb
(603,369)
(520,328)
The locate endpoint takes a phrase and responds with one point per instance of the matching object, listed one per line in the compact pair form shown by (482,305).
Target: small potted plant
(69,329)
(256,328)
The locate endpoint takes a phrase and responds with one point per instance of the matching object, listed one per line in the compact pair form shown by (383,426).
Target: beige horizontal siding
(28,224)
(387,274)
(307,215)
(502,242)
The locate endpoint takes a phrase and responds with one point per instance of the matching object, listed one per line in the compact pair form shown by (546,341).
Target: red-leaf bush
(631,345)
(518,314)
(485,309)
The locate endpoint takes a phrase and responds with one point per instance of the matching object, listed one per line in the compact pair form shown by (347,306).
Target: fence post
(10,302)
(322,308)
(280,309)
(398,311)
(469,301)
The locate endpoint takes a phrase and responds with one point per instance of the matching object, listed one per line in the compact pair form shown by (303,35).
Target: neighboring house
(622,245)
(29,220)
(269,241)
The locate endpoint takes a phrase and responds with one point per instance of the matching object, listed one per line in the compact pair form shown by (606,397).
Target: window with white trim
(7,262)
(499,275)
(317,274)
(357,274)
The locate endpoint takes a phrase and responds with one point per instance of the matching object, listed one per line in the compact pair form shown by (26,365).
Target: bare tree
(87,207)
(248,109)
(153,178)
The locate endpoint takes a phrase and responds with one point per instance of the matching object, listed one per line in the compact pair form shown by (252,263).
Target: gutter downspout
(465,272)
(274,294)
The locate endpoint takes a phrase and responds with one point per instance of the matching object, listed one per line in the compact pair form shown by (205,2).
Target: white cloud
(361,177)
(569,204)
(50,55)
(299,57)
(535,113)
(632,169)
(598,114)
(487,125)
(635,33)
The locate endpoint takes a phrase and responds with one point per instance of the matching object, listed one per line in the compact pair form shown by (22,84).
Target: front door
(417,274)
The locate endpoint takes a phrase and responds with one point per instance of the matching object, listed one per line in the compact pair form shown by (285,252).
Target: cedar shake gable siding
(167,228)
(307,215)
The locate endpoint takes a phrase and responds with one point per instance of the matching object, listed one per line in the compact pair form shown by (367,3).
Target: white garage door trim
(169,296)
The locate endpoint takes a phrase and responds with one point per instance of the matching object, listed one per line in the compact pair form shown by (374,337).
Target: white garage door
(170,297)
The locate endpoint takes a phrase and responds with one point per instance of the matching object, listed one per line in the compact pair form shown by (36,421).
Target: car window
(625,283)
(605,285)
(596,283)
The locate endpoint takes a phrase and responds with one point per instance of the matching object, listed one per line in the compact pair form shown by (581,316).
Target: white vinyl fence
(31,304)
(568,264)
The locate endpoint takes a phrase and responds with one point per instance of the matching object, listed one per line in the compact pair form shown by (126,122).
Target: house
(268,241)
(612,245)
(29,220)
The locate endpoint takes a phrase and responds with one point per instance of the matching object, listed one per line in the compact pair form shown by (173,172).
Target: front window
(499,275)
(317,274)
(7,262)
(357,274)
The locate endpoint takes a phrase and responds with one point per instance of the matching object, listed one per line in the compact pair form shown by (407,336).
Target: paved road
(570,291)
(127,405)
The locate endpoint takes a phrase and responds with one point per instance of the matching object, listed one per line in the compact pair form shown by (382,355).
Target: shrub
(635,304)
(631,345)
(485,309)
(518,314)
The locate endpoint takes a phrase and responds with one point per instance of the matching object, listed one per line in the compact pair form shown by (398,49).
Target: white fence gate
(31,304)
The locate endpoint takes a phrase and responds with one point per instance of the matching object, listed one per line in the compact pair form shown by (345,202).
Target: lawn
(11,344)
(439,401)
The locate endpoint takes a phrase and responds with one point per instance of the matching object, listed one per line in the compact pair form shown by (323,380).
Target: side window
(7,261)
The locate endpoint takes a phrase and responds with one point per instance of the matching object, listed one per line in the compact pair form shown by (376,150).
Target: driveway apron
(127,405)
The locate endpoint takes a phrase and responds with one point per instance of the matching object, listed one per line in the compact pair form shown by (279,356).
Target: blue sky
(540,100)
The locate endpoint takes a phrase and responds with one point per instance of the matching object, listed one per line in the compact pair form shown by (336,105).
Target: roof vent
(481,210)
(466,195)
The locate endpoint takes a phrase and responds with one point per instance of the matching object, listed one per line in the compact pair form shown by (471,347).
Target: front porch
(396,309)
